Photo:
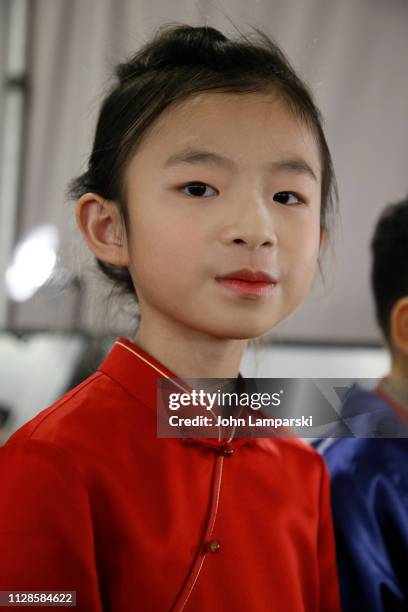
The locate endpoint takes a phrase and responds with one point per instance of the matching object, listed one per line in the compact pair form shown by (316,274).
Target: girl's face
(224,182)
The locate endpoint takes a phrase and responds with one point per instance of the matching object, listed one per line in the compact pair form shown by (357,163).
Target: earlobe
(101,226)
(399,325)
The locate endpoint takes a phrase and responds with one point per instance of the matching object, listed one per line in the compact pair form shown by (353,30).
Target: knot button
(227,450)
(213,546)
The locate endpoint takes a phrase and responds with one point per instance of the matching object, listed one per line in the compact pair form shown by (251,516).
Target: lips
(249,276)
(248,282)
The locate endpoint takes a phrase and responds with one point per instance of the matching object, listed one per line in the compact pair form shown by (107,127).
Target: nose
(252,225)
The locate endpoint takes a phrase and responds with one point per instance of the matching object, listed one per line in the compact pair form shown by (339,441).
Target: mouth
(249,282)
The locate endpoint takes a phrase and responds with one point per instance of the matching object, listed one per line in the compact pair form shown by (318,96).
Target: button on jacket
(92,501)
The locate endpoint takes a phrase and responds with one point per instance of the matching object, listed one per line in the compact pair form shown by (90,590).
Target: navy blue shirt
(369,492)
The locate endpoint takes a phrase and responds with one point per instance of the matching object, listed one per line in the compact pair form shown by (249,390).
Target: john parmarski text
(230,421)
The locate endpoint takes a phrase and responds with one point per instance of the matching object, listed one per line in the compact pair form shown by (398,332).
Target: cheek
(302,252)
(303,239)
(310,250)
(163,252)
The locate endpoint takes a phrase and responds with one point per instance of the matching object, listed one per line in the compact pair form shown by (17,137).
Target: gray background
(354,55)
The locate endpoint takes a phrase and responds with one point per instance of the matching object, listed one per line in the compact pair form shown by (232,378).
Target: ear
(102,227)
(399,325)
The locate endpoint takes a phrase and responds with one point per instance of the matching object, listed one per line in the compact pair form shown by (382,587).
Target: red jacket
(92,501)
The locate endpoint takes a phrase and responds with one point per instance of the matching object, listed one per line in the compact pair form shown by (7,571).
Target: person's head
(389,277)
(196,116)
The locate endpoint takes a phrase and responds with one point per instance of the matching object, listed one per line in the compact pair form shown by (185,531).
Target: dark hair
(178,62)
(389,272)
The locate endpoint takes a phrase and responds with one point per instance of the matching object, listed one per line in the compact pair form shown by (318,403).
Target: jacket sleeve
(371,528)
(329,587)
(45,524)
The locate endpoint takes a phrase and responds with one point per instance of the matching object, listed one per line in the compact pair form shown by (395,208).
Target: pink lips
(248,282)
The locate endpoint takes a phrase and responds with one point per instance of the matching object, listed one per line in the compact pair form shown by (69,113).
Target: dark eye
(287,197)
(199,190)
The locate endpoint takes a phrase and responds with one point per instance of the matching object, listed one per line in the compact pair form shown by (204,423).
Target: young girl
(207,194)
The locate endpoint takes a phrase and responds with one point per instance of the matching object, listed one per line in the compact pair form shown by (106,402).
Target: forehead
(250,128)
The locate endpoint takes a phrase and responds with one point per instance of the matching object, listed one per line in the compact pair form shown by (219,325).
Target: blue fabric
(369,490)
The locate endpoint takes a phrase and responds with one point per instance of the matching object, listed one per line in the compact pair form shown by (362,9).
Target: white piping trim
(193,585)
(207,535)
(164,376)
(218,495)
(151,365)
(220,459)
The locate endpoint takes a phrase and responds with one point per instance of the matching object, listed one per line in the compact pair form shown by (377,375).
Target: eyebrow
(295,164)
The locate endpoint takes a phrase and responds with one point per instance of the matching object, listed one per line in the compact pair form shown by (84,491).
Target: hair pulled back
(178,62)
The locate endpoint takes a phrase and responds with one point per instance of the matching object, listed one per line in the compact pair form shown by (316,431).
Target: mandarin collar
(138,373)
(135,370)
(130,365)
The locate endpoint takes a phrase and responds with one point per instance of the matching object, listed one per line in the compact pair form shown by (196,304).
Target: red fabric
(92,501)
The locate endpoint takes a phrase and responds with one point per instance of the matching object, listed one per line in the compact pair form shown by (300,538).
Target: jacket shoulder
(290,447)
(85,407)
(297,459)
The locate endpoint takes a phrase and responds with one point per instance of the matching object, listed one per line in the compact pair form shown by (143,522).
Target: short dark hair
(389,272)
(178,62)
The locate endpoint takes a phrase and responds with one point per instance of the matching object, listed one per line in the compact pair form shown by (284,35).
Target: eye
(288,197)
(199,190)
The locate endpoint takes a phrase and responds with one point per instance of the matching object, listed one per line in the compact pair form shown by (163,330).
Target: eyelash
(299,199)
(195,184)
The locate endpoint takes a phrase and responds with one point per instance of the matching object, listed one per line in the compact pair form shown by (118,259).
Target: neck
(191,354)
(396,383)
(399,369)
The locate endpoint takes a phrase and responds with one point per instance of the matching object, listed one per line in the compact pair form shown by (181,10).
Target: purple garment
(369,490)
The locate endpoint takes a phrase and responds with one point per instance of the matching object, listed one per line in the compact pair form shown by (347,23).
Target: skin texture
(399,339)
(395,383)
(180,242)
